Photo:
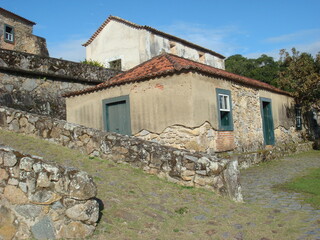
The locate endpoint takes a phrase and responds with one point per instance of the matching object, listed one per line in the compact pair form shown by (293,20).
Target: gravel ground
(258,187)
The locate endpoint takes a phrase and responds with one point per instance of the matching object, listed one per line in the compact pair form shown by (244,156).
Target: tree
(300,75)
(263,68)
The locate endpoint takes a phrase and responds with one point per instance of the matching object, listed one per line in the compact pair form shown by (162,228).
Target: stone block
(3,174)
(44,229)
(88,211)
(7,227)
(13,181)
(81,186)
(15,195)
(29,211)
(9,159)
(14,171)
(76,230)
(43,180)
(26,163)
(44,197)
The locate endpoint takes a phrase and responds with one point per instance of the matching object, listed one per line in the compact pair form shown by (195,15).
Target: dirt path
(257,184)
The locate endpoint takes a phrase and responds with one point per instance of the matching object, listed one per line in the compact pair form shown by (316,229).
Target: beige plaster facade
(181,111)
(135,45)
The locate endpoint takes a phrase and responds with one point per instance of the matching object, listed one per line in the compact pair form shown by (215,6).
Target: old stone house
(16,34)
(187,104)
(121,44)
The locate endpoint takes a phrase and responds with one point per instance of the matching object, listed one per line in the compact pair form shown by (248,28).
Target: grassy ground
(308,185)
(141,206)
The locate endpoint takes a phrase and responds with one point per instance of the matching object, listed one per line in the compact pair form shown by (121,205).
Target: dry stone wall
(179,166)
(43,200)
(36,84)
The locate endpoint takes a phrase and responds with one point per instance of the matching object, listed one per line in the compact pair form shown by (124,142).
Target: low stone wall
(36,84)
(42,200)
(180,166)
(249,159)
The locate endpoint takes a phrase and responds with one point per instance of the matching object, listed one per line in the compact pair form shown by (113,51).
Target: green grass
(309,185)
(142,206)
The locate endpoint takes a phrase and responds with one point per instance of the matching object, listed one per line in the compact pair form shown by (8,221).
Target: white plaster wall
(134,46)
(115,41)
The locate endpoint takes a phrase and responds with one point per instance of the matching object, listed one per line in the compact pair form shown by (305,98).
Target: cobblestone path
(257,186)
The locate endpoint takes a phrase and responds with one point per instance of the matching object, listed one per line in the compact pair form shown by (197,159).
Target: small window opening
(172,47)
(9,34)
(201,57)
(116,64)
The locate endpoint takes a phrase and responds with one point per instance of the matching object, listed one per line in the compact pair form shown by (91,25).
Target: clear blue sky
(247,27)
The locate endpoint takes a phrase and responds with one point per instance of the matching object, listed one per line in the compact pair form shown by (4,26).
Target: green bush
(92,62)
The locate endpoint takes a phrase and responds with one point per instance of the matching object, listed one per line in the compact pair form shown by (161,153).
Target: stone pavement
(258,181)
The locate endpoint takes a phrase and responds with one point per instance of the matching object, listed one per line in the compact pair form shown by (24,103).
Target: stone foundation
(43,200)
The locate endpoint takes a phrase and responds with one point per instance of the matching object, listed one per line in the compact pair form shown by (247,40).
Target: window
(224,104)
(172,46)
(116,64)
(201,57)
(8,34)
(224,109)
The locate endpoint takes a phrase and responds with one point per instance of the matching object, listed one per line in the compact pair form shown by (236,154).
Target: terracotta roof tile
(168,64)
(16,16)
(152,30)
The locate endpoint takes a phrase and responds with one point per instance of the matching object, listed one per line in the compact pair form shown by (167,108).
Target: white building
(121,44)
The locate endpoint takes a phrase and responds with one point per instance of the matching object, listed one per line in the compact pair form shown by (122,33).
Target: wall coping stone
(32,64)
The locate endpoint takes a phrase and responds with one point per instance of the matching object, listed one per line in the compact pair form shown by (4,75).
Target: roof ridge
(175,64)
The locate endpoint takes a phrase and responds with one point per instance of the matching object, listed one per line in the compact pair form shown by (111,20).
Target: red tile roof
(152,30)
(169,64)
(4,11)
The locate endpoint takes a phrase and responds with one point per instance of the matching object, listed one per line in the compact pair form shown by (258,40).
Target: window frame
(10,34)
(116,64)
(222,111)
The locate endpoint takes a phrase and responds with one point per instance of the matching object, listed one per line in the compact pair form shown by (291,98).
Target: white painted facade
(134,45)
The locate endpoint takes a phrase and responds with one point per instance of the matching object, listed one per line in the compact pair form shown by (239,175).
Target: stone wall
(43,200)
(36,84)
(180,166)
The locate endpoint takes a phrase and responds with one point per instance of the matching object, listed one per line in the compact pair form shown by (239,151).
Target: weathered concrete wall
(134,46)
(36,84)
(150,105)
(24,40)
(181,111)
(43,200)
(180,166)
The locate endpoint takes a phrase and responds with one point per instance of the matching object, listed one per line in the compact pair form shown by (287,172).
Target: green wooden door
(267,122)
(117,115)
